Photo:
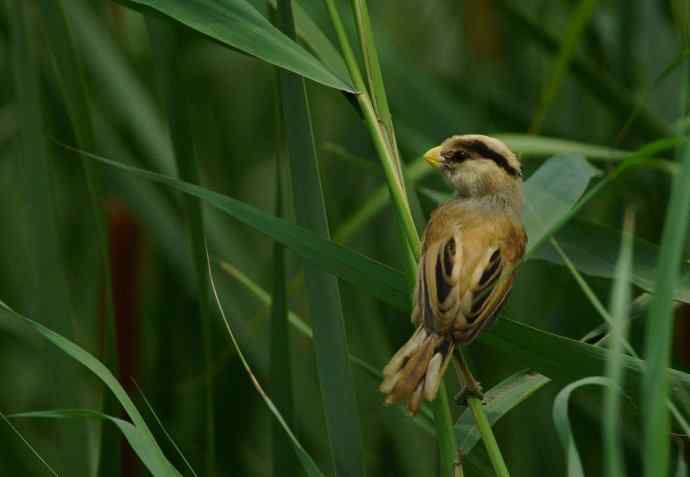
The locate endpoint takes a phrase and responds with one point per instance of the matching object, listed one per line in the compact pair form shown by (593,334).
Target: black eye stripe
(483,150)
(456,156)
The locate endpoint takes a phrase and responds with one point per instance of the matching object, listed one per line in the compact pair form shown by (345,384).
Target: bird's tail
(415,371)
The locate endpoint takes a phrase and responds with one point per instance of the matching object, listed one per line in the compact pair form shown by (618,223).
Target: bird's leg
(470,386)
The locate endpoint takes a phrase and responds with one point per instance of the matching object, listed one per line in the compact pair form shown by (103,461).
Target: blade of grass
(40,252)
(323,292)
(660,320)
(236,23)
(154,455)
(565,432)
(620,307)
(281,371)
(165,431)
(594,258)
(305,459)
(167,43)
(500,399)
(579,19)
(28,445)
(530,145)
(564,359)
(317,41)
(487,434)
(599,307)
(136,438)
(318,251)
(551,193)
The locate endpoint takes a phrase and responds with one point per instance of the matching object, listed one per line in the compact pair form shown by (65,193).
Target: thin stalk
(659,329)
(395,186)
(442,415)
(375,76)
(284,459)
(385,153)
(488,437)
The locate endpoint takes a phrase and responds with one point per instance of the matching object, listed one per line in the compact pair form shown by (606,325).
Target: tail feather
(415,371)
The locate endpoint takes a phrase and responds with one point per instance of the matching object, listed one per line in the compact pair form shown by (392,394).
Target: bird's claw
(471,390)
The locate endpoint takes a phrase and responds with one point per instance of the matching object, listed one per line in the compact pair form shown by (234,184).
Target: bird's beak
(433,156)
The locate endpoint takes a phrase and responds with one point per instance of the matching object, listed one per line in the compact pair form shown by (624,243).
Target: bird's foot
(473,389)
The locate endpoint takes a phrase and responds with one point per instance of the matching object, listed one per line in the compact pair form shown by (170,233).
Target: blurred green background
(449,67)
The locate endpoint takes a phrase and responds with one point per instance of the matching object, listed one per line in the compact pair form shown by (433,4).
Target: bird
(470,250)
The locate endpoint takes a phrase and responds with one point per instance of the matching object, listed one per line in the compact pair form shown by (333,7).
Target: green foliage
(139,137)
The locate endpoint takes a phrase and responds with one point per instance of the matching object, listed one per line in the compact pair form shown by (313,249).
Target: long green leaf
(317,41)
(165,431)
(551,192)
(565,432)
(28,444)
(323,292)
(500,399)
(660,323)
(137,439)
(153,453)
(281,369)
(564,359)
(383,282)
(619,309)
(592,248)
(530,145)
(238,24)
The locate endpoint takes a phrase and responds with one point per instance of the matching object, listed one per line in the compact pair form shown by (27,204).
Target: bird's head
(477,165)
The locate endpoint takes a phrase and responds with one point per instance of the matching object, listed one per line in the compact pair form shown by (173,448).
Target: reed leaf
(323,292)
(619,310)
(236,23)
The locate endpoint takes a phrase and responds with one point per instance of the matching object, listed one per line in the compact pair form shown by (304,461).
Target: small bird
(470,250)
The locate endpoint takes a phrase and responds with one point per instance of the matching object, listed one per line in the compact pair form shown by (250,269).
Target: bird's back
(470,251)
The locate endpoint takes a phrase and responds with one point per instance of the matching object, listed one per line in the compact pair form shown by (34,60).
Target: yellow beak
(433,156)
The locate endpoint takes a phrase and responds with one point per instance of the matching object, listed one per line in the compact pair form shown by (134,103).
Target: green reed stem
(391,166)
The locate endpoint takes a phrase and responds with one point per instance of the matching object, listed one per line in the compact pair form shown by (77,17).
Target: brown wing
(465,272)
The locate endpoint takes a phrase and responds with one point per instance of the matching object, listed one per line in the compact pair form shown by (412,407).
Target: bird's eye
(457,156)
